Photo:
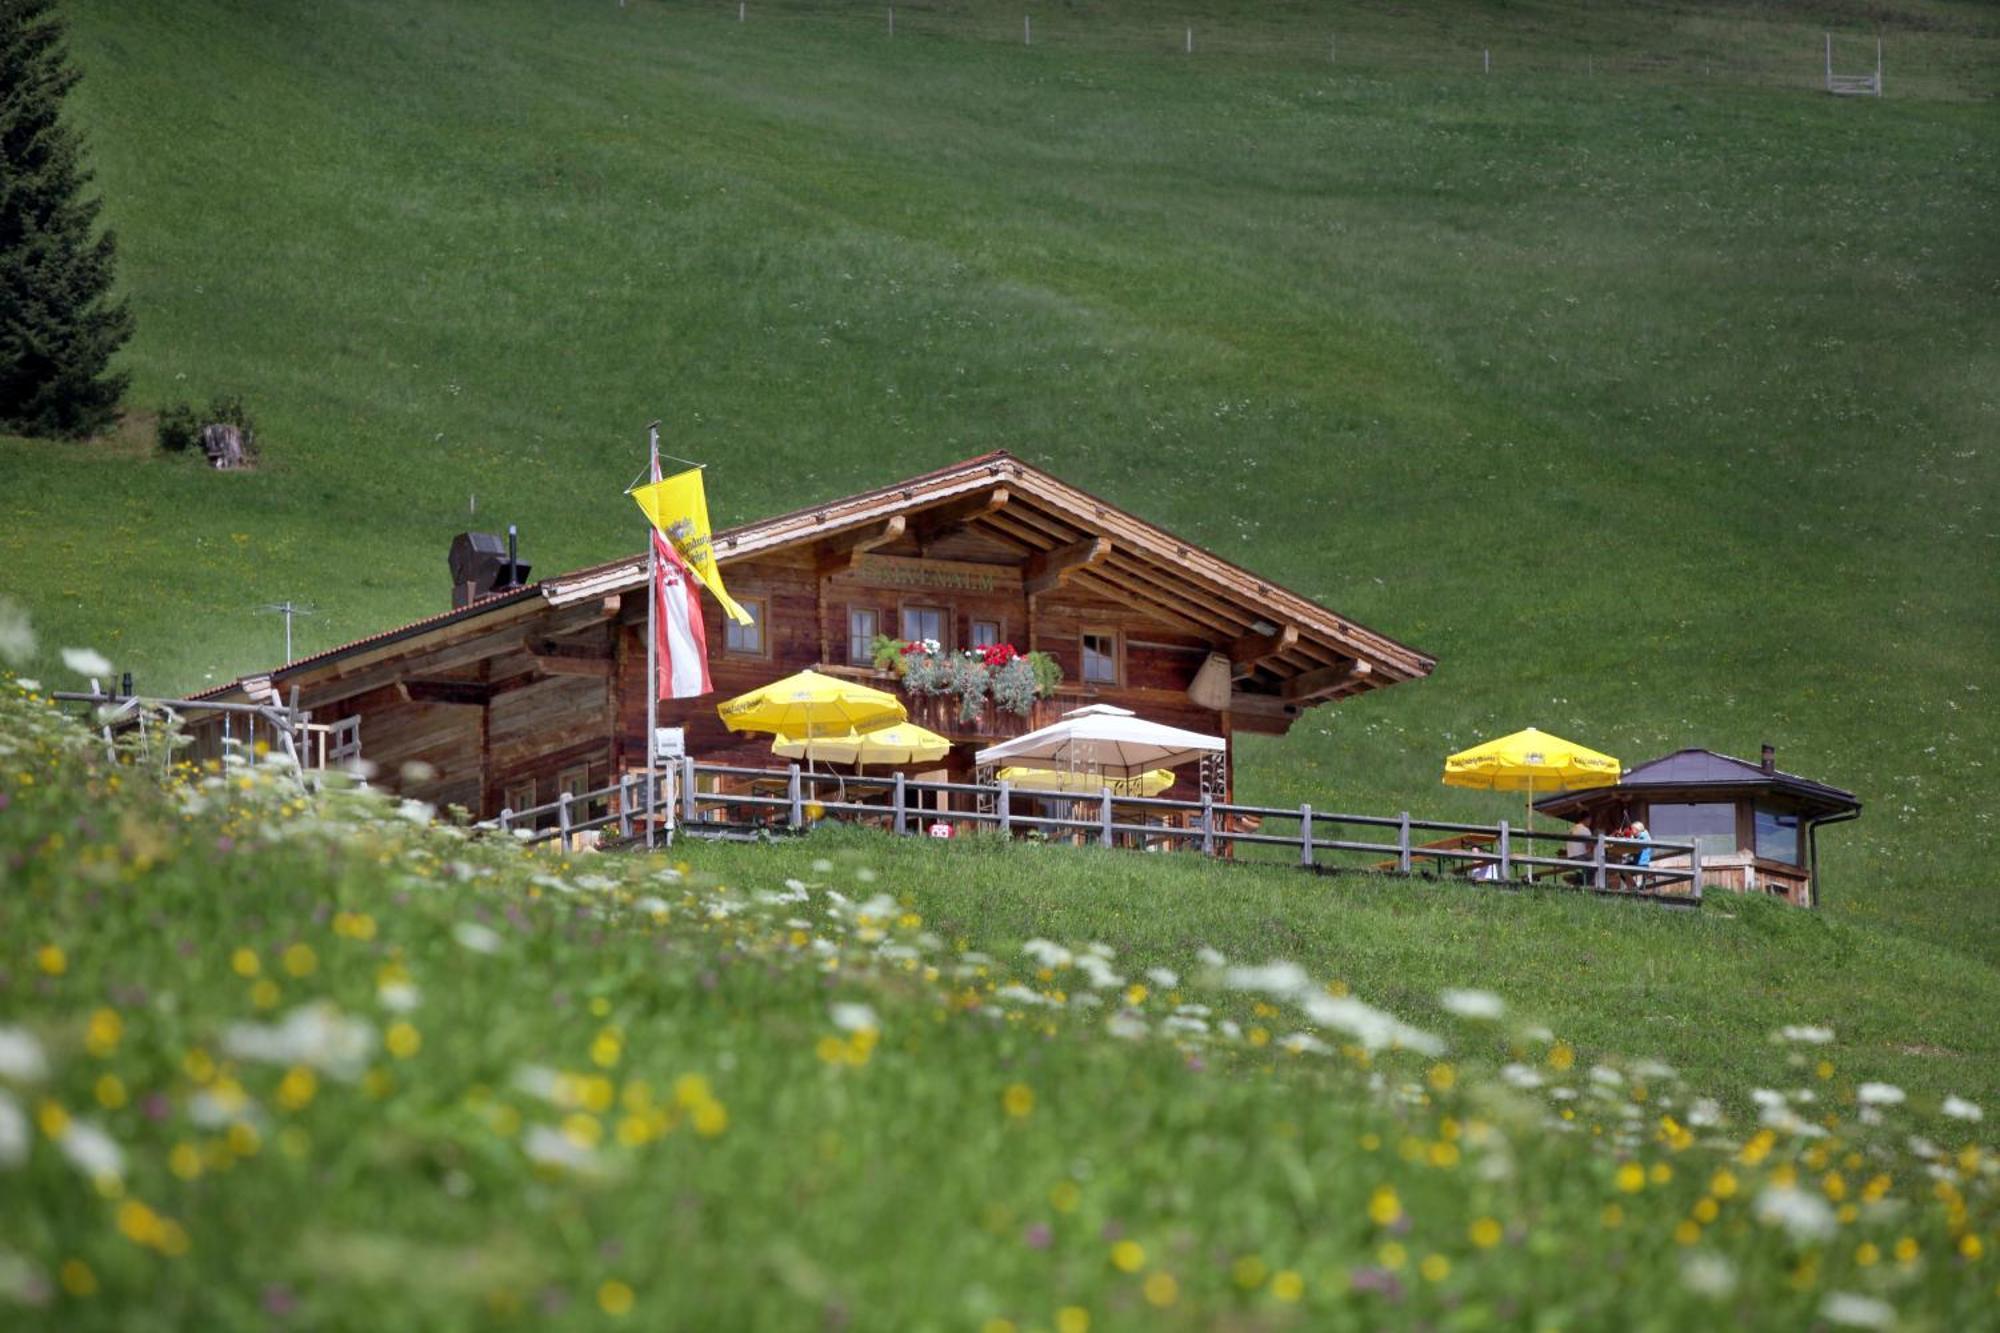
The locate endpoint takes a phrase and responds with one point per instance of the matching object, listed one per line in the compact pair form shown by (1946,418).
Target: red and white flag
(679,636)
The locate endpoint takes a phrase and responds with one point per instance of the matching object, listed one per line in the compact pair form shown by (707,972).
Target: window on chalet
(520,795)
(924,622)
(985,634)
(861,632)
(1710,825)
(746,640)
(1778,836)
(1100,657)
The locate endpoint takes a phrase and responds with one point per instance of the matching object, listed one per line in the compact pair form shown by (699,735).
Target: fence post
(506,819)
(1004,808)
(1190,40)
(796,797)
(1506,852)
(562,819)
(1306,836)
(1597,867)
(1403,844)
(1208,823)
(625,807)
(1694,869)
(688,811)
(1104,818)
(901,804)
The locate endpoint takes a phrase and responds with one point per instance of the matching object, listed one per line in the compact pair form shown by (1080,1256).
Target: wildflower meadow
(273,1057)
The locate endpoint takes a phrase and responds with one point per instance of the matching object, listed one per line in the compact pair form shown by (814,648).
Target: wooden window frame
(512,789)
(759,608)
(999,624)
(862,654)
(944,621)
(1117,655)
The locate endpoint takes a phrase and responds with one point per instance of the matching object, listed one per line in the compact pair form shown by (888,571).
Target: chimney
(1770,760)
(481,566)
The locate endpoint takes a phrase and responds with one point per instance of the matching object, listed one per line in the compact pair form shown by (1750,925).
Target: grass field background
(1658,404)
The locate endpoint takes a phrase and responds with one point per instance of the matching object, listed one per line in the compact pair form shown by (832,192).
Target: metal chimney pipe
(1770,759)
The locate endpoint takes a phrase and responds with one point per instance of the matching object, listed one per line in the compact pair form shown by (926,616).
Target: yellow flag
(678,507)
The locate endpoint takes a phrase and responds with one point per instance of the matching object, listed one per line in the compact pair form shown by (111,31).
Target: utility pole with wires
(287,609)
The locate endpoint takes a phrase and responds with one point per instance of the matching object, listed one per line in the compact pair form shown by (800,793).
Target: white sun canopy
(1102,739)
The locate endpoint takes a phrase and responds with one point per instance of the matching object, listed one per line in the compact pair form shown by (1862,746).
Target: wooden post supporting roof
(837,554)
(1050,570)
(930,524)
(1309,684)
(1247,652)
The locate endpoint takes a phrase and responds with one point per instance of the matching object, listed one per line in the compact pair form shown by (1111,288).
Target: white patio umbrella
(1101,739)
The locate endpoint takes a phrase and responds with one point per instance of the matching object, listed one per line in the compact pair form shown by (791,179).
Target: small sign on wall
(669,743)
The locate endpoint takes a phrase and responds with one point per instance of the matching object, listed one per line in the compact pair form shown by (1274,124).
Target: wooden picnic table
(1438,851)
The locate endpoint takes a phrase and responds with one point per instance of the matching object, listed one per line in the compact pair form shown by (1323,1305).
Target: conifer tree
(58,322)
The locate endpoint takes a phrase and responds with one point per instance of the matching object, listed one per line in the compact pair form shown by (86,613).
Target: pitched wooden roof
(1288,651)
(1286,647)
(1698,768)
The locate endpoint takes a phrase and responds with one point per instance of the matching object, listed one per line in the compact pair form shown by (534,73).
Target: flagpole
(652,649)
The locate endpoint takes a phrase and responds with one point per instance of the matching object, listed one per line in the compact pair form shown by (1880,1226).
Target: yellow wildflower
(1687,1231)
(245,963)
(52,960)
(1444,1154)
(1442,1077)
(1161,1290)
(300,961)
(296,1088)
(1287,1285)
(110,1092)
(1128,1256)
(1612,1217)
(76,1278)
(614,1298)
(606,1048)
(1072,1319)
(1383,1206)
(1906,1250)
(243,1140)
(101,1037)
(1722,1184)
(1660,1173)
(1135,994)
(1970,1246)
(1485,1233)
(1562,1056)
(1867,1254)
(1705,1209)
(1248,1272)
(710,1119)
(1018,1100)
(1435,1268)
(1064,1196)
(403,1039)
(52,1118)
(265,993)
(1392,1256)
(184,1161)
(1631,1178)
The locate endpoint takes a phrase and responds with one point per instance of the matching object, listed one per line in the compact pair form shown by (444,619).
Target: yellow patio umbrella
(807,705)
(1150,783)
(1531,761)
(901,743)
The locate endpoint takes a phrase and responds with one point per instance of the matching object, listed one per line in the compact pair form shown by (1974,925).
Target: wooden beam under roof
(927,525)
(837,554)
(1049,570)
(1248,652)
(1326,680)
(1153,608)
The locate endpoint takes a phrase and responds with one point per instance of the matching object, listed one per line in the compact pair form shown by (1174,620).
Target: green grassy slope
(319,1062)
(1657,405)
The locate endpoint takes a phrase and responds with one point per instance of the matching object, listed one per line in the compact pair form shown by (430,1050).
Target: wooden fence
(791,800)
